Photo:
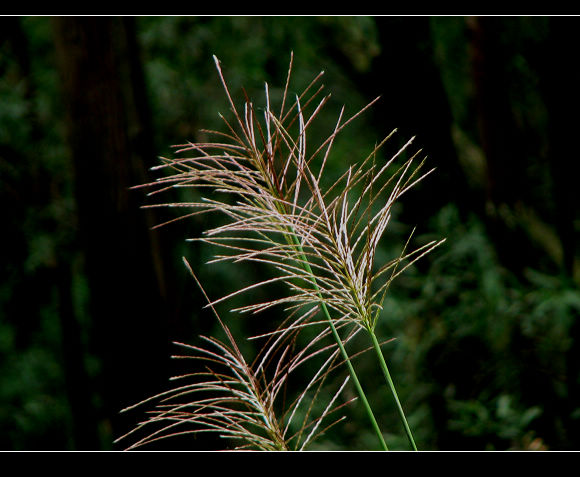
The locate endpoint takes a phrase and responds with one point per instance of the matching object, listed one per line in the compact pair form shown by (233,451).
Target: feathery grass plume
(239,401)
(267,180)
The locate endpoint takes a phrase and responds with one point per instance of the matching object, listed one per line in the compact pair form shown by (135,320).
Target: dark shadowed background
(487,353)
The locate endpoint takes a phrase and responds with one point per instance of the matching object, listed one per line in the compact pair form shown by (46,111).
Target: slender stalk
(343,351)
(391,385)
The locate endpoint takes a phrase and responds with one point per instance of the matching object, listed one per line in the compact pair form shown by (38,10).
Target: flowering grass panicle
(266,179)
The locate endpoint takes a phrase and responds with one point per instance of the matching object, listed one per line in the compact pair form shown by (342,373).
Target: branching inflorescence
(321,241)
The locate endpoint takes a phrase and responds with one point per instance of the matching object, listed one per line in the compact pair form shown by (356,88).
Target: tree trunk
(501,143)
(414,101)
(111,147)
(560,90)
(561,77)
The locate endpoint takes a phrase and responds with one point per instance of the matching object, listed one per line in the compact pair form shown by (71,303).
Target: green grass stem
(391,385)
(343,351)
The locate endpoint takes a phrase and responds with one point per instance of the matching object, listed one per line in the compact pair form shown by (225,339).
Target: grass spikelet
(239,401)
(321,241)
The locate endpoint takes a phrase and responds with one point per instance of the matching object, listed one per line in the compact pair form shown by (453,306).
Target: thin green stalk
(342,349)
(392,387)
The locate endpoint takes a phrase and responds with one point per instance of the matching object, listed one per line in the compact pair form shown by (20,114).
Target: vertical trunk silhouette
(111,147)
(28,187)
(508,182)
(500,139)
(413,100)
(495,115)
(560,91)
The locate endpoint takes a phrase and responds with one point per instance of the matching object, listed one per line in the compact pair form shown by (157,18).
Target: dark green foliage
(487,346)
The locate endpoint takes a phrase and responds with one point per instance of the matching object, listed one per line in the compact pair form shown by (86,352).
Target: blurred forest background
(487,350)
